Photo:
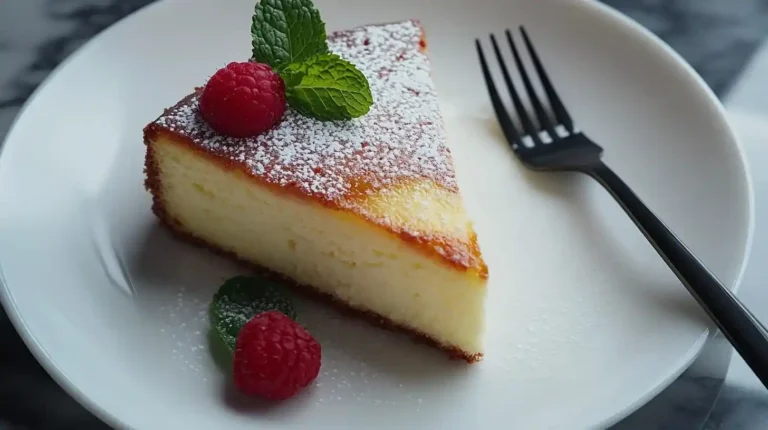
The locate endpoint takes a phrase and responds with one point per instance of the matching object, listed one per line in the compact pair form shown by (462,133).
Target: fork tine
(541,114)
(507,126)
(554,100)
(525,120)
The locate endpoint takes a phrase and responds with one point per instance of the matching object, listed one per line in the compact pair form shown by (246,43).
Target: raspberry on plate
(275,357)
(243,99)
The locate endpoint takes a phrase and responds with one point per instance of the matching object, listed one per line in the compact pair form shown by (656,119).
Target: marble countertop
(720,38)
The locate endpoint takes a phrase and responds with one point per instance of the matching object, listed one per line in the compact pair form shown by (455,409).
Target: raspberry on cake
(243,99)
(364,213)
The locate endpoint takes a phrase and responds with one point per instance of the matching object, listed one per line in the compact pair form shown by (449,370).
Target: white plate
(585,322)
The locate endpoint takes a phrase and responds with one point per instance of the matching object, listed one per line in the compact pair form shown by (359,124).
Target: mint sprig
(241,298)
(327,87)
(290,36)
(287,31)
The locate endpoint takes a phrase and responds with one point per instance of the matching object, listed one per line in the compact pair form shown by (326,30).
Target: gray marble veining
(716,36)
(739,409)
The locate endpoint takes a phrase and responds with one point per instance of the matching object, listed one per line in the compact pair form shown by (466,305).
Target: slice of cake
(364,213)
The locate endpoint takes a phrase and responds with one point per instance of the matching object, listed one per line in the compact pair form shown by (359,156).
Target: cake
(365,214)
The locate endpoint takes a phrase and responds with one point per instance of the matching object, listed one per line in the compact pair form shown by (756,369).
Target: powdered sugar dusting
(401,138)
(184,321)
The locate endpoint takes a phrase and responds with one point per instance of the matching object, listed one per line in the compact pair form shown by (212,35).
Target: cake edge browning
(461,252)
(152,183)
(423,244)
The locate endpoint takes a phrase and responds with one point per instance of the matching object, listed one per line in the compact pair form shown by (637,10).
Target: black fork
(557,145)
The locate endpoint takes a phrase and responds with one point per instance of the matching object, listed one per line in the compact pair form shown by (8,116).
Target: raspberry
(243,99)
(275,357)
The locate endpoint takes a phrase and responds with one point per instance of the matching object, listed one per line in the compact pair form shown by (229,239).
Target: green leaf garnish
(220,351)
(327,87)
(242,298)
(287,31)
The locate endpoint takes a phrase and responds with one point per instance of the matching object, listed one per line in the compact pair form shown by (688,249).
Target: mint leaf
(327,87)
(242,298)
(221,352)
(287,31)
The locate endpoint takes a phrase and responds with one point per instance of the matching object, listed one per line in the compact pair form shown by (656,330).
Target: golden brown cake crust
(342,165)
(152,183)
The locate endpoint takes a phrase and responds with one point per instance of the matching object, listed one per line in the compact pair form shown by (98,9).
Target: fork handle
(747,335)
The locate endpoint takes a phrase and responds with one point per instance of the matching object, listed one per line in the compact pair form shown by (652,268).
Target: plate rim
(607,13)
(685,362)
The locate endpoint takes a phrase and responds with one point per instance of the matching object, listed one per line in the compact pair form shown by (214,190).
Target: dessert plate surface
(585,322)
